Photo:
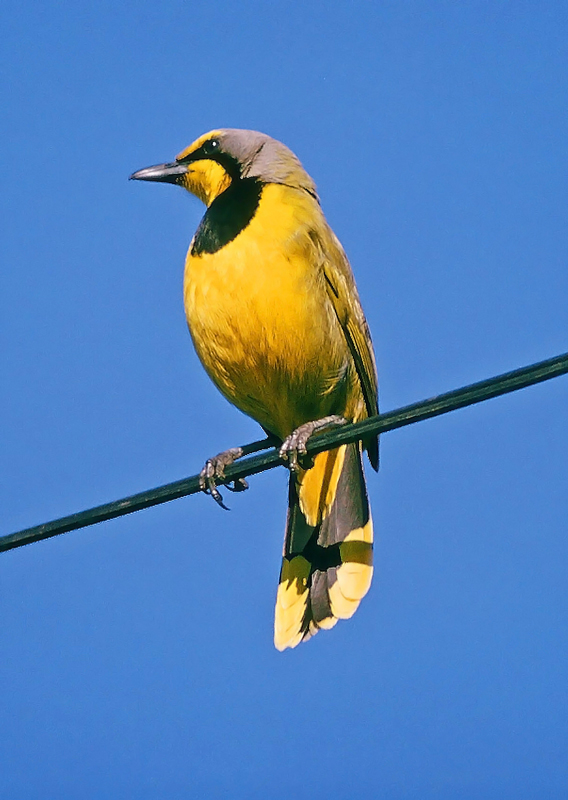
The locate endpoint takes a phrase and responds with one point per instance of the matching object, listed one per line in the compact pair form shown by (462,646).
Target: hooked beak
(166,173)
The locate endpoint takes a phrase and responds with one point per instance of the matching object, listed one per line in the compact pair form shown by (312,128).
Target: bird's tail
(327,563)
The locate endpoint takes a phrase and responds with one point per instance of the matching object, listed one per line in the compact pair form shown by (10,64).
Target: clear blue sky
(136,657)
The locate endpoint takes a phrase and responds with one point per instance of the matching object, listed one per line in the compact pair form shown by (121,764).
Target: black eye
(211,146)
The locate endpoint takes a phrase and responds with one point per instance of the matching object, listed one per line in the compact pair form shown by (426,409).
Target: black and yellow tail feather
(327,563)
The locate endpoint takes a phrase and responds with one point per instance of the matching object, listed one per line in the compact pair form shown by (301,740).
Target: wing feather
(344,298)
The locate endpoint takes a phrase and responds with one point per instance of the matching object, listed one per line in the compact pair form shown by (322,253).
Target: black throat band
(227,216)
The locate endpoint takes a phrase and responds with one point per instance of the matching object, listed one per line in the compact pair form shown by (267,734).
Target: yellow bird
(276,320)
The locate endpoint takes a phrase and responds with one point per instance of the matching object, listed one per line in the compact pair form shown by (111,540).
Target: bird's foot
(213,473)
(293,449)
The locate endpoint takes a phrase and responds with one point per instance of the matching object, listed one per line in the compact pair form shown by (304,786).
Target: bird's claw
(293,449)
(213,473)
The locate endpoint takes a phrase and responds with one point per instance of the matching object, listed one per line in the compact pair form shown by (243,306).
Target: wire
(441,404)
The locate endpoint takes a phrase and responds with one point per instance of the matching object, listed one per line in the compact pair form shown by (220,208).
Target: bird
(276,320)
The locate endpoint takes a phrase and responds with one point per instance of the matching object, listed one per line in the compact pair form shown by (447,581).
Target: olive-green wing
(344,297)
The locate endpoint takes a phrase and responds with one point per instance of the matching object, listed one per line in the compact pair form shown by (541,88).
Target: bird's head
(218,158)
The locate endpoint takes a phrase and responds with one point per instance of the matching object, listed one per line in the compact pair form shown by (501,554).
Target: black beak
(166,173)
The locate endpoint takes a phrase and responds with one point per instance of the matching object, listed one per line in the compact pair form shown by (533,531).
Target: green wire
(442,404)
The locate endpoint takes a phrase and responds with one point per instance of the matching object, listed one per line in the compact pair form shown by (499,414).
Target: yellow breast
(261,320)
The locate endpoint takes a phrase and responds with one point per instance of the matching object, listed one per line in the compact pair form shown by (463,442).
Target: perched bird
(276,321)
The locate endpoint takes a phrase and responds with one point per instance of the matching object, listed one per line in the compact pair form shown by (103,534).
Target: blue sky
(136,656)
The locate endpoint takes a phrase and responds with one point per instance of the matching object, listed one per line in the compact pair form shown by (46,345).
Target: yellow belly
(261,320)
